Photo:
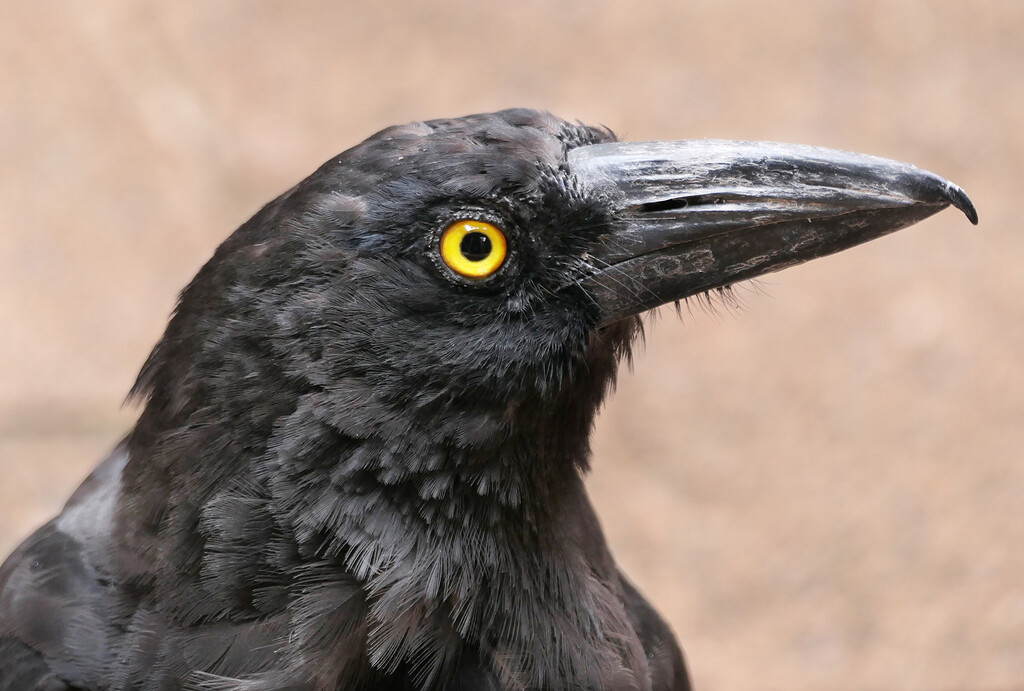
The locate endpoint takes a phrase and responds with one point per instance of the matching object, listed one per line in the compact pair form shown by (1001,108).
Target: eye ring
(473,249)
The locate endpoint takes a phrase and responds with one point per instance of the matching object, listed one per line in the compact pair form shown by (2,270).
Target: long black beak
(691,216)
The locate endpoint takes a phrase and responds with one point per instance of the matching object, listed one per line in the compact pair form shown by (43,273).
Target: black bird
(360,460)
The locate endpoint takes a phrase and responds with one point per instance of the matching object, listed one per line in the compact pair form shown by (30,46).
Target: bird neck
(345,467)
(462,518)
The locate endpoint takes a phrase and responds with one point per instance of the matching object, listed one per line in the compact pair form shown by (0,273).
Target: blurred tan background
(821,490)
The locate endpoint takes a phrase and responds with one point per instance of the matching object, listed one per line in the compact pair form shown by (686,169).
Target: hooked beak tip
(958,198)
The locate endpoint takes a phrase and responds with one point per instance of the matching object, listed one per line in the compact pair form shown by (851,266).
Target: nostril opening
(665,205)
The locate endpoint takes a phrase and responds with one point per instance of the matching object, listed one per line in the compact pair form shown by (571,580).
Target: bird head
(475,280)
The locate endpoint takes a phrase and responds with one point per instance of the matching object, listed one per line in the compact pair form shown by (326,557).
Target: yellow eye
(474,249)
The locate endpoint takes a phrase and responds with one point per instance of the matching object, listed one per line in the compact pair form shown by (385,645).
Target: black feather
(351,471)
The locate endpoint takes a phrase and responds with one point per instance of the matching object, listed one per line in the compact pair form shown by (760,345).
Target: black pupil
(475,246)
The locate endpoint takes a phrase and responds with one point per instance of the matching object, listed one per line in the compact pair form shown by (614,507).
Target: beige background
(821,490)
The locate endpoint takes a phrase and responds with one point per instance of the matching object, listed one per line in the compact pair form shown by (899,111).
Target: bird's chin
(619,334)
